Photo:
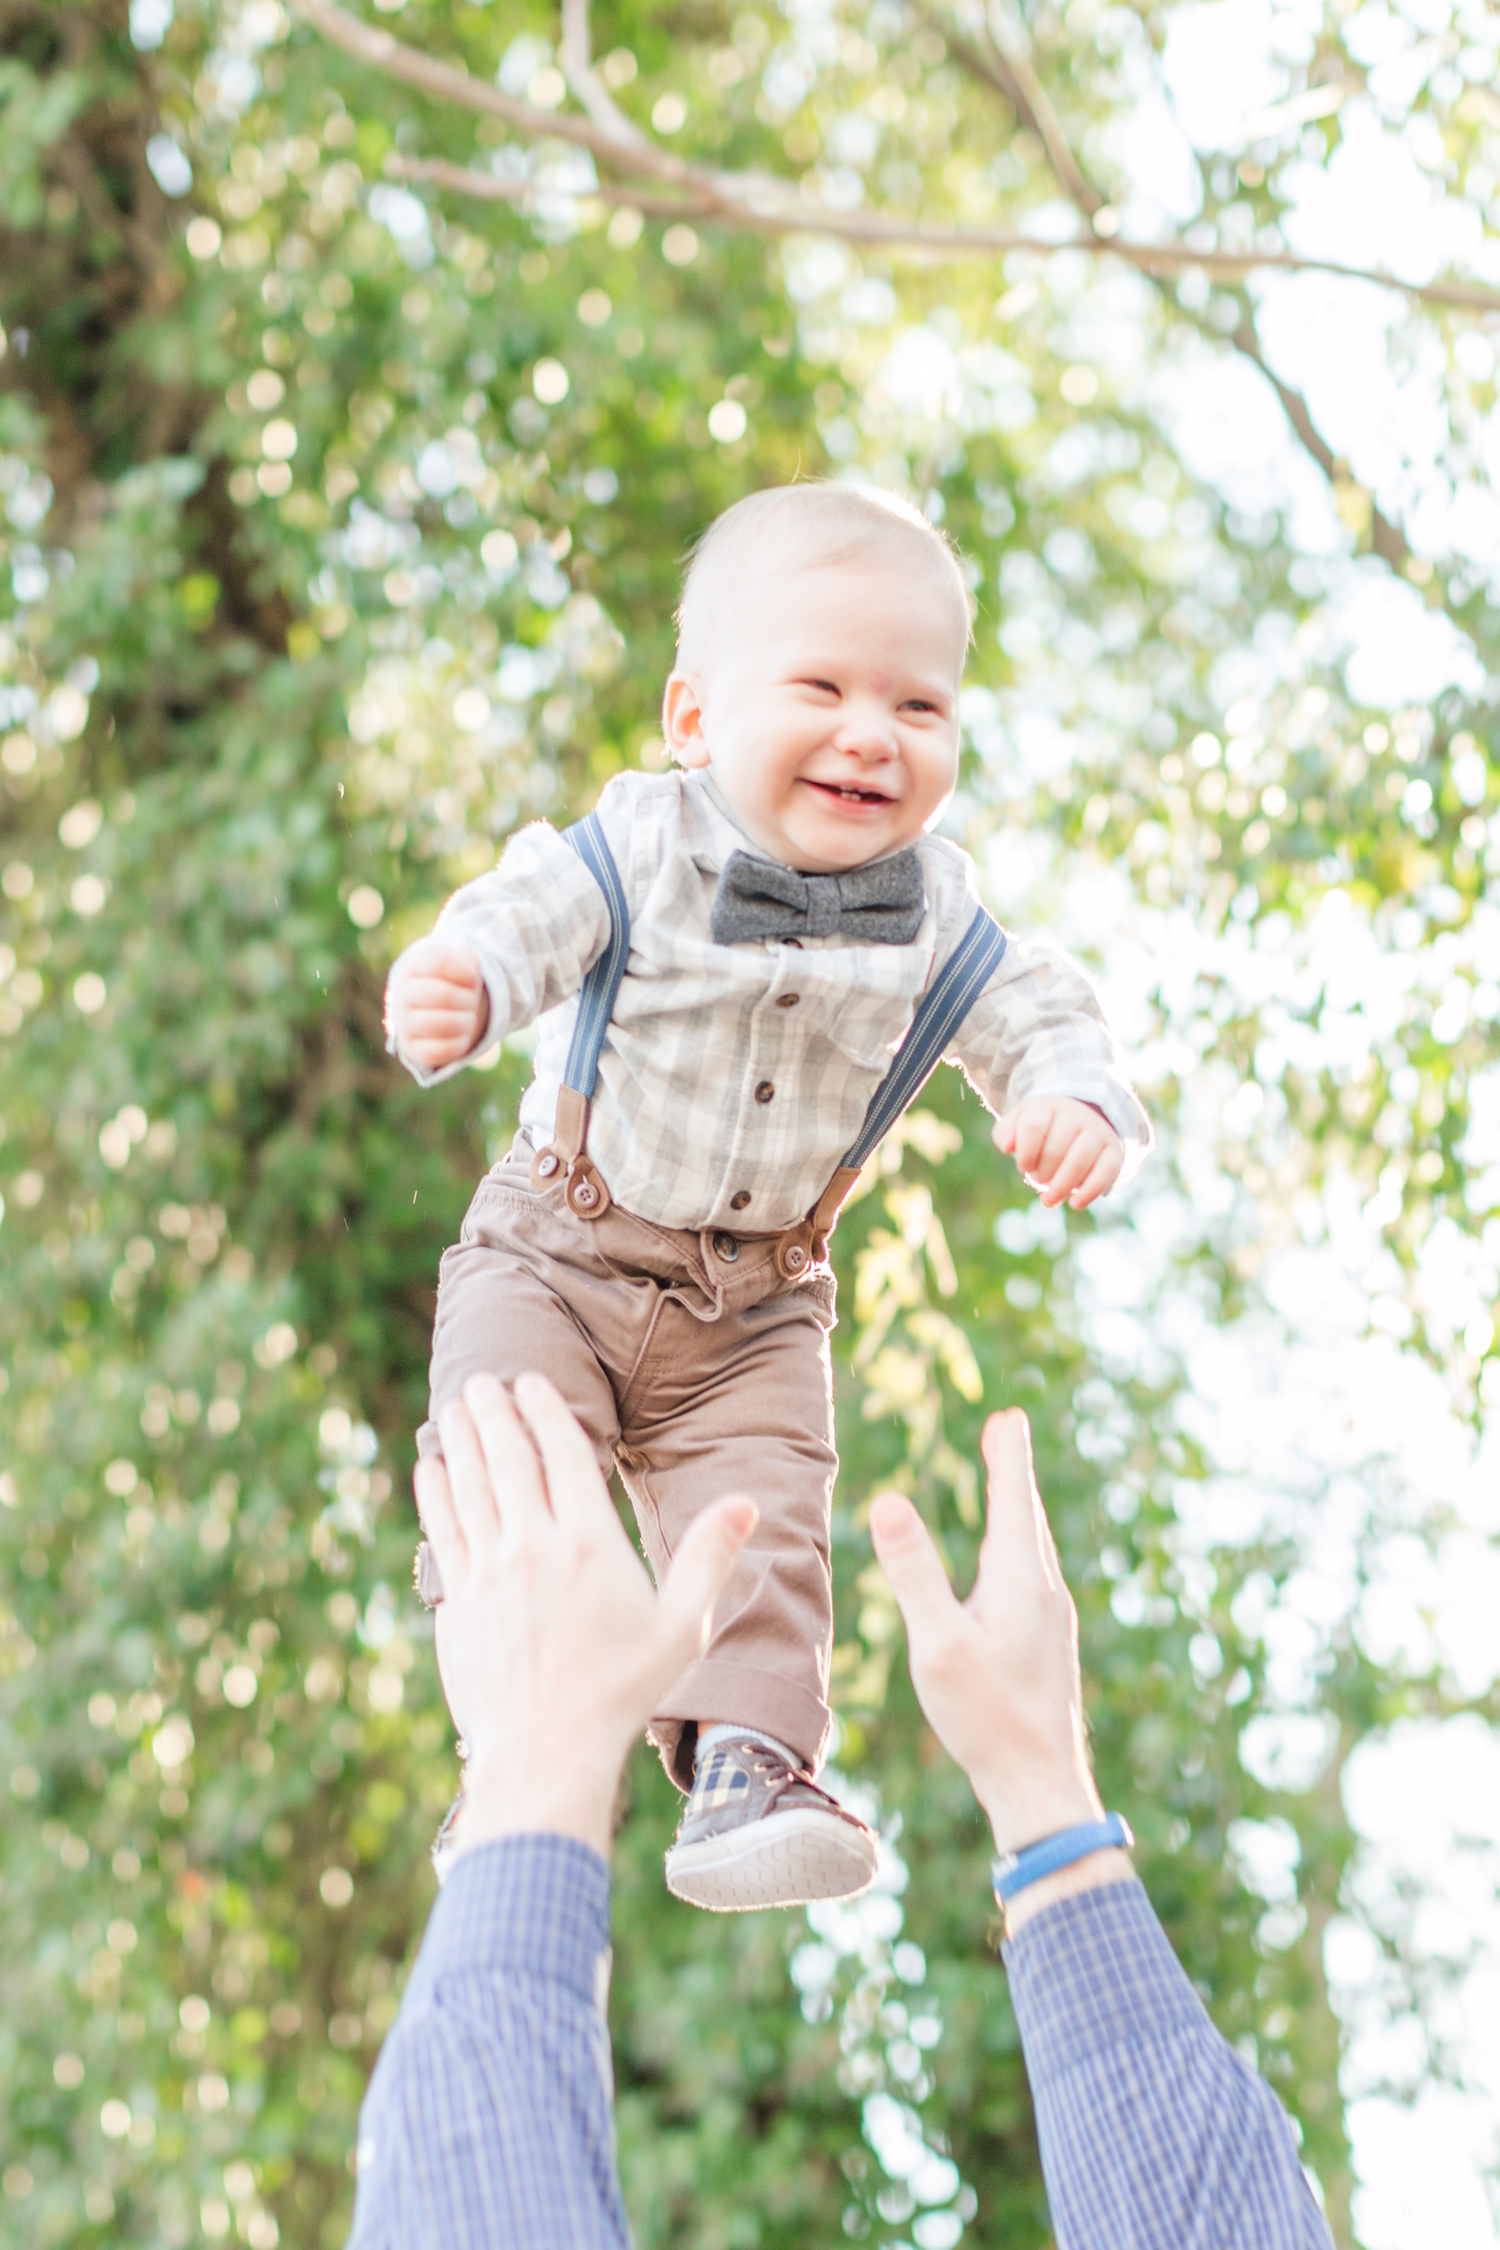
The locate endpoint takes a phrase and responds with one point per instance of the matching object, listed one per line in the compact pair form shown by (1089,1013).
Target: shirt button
(739,1199)
(789,1000)
(765,1091)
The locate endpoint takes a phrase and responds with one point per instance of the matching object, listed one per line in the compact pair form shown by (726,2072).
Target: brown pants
(697,1374)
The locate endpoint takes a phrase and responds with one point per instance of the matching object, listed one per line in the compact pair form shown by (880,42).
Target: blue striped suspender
(584,1187)
(941,1010)
(596,1002)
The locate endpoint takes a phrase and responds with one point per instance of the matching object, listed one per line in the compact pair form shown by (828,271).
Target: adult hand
(1065,1148)
(554,1647)
(436,1003)
(997,1674)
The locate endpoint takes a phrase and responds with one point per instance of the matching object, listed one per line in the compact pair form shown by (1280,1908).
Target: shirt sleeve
(488,2124)
(536,924)
(1154,2134)
(1038,1028)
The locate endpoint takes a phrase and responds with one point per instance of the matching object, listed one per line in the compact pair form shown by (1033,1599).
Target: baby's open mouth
(851,796)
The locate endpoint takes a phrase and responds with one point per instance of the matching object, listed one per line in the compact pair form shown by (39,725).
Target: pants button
(726,1247)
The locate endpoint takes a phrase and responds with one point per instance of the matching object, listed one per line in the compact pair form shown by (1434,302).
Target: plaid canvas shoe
(758,1832)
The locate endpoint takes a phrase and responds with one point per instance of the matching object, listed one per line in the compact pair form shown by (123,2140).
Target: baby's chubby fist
(436,1004)
(1065,1148)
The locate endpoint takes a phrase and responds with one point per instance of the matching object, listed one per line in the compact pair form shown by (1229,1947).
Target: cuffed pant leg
(744,1405)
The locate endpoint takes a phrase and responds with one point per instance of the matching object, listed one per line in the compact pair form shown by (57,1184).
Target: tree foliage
(343,527)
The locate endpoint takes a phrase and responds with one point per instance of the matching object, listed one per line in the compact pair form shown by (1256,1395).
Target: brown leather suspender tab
(804,1246)
(567,1154)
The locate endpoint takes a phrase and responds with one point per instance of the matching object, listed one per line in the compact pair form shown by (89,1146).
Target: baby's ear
(682,719)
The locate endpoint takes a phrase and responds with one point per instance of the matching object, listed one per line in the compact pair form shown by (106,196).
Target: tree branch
(1002,60)
(799,215)
(446,83)
(1386,538)
(762,204)
(578,69)
(487,187)
(1011,75)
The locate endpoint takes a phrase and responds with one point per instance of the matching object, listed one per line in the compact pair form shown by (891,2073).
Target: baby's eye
(824,687)
(918,703)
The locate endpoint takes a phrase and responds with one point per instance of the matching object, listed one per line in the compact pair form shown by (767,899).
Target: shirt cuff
(532,1903)
(1092,1972)
(425,1077)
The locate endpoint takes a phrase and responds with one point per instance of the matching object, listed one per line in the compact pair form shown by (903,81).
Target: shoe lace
(770,1762)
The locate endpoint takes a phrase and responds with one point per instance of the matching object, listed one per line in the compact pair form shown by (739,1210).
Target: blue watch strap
(1013,1871)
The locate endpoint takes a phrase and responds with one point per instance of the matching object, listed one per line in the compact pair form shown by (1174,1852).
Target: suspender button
(546,1165)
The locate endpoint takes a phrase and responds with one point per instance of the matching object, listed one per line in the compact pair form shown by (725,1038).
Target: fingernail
(742,1516)
(483,1386)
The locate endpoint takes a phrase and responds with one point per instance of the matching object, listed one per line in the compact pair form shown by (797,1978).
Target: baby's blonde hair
(829,523)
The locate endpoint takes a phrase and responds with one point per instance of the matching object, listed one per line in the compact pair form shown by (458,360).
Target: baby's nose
(866,731)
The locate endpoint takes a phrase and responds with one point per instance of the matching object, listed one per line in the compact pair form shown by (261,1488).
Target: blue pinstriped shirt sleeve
(1154,2134)
(488,2124)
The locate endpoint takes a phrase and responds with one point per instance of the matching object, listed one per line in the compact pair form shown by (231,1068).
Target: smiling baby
(741,972)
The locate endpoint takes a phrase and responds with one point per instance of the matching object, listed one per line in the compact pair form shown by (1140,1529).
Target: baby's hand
(436,1003)
(1064,1148)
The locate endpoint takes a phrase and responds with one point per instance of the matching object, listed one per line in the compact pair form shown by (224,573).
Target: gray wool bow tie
(881,904)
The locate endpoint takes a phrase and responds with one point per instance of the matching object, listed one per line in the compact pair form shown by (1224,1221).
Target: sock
(709,1738)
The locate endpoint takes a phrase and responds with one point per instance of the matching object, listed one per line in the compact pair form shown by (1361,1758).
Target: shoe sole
(790,1859)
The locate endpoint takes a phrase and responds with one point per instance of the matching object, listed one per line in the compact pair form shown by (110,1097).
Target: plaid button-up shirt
(735,1077)
(488,2122)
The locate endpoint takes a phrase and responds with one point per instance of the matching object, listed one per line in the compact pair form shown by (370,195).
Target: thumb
(905,1552)
(700,1571)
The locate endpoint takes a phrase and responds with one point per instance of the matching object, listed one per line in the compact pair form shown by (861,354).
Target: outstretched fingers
(906,1553)
(1017,1534)
(511,1470)
(576,1492)
(440,1523)
(700,1570)
(468,1480)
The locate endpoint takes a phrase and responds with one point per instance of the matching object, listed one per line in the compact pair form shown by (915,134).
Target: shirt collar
(715,834)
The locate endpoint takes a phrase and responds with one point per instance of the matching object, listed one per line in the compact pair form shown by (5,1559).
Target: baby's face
(828,707)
